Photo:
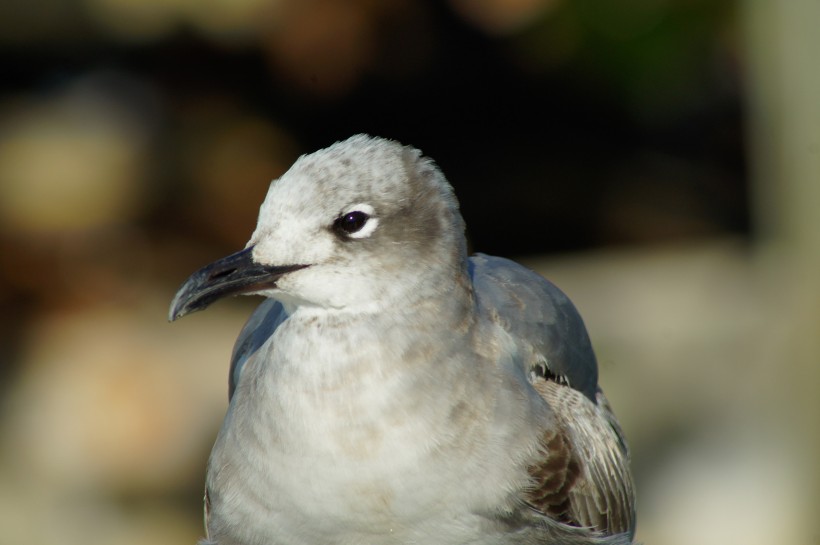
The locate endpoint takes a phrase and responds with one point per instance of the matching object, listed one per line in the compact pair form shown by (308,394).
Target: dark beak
(232,275)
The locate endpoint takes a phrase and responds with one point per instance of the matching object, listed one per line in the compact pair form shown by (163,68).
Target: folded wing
(582,477)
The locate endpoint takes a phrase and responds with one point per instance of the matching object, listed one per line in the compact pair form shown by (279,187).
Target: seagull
(393,390)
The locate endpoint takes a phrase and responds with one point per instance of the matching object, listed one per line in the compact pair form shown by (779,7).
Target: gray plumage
(392,390)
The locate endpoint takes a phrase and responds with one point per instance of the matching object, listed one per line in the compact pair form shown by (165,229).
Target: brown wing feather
(583,478)
(554,476)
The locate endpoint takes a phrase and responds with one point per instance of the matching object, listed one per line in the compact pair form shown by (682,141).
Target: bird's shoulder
(540,318)
(268,316)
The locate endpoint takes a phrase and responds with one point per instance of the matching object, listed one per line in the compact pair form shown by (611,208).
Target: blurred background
(657,159)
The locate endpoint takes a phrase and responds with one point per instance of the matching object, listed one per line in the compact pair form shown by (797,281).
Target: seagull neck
(415,302)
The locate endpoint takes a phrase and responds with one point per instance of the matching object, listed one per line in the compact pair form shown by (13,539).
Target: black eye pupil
(352,221)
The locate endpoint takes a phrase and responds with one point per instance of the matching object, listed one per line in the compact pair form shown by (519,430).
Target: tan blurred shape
(502,16)
(149,20)
(112,399)
(68,163)
(136,20)
(324,47)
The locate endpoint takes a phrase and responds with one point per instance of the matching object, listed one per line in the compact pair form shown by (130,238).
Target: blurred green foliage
(659,58)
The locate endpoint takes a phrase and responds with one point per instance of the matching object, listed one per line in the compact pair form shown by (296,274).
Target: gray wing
(257,330)
(582,477)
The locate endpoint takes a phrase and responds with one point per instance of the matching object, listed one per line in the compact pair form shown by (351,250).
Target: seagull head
(360,225)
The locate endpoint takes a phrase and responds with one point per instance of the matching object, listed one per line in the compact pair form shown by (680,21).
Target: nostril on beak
(222,274)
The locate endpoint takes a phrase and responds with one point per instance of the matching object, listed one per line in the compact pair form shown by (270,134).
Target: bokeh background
(657,159)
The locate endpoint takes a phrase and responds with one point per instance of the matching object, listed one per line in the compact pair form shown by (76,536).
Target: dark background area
(576,127)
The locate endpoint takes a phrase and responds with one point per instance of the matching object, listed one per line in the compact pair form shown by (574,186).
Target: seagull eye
(360,222)
(352,222)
